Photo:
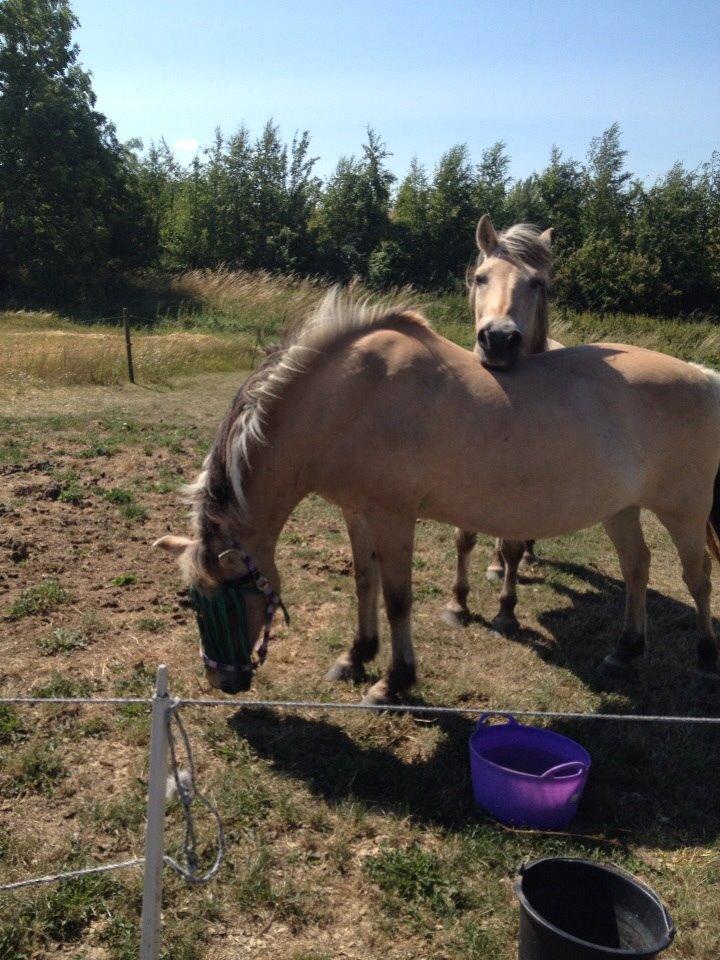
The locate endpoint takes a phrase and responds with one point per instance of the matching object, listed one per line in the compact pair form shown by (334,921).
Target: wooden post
(128,345)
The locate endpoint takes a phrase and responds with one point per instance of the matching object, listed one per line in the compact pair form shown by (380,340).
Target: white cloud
(187,145)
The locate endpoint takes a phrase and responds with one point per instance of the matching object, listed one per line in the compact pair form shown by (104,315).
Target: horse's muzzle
(498,344)
(230,679)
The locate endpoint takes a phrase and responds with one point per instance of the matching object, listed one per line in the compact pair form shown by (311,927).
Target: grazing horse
(374,411)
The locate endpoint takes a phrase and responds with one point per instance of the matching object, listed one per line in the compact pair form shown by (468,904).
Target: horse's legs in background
(528,557)
(457,612)
(689,539)
(625,531)
(496,567)
(506,621)
(350,666)
(393,538)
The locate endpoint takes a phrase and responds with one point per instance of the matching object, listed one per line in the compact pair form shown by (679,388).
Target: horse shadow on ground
(585,631)
(654,786)
(651,784)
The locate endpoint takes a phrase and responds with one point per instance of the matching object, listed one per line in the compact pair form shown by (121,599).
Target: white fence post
(154,845)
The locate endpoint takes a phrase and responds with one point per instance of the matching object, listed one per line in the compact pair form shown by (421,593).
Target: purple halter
(273,601)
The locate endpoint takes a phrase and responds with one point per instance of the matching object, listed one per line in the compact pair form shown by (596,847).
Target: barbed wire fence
(167,728)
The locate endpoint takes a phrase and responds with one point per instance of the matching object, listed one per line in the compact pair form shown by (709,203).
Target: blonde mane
(521,243)
(224,472)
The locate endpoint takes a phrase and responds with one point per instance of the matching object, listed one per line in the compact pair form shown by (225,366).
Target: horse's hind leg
(625,531)
(689,539)
(457,612)
(506,621)
(529,558)
(350,666)
(496,568)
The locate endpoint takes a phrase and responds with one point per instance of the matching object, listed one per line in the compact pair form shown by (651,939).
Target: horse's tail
(713,524)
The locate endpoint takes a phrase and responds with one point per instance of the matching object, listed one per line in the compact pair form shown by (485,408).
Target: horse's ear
(485,236)
(174,545)
(546,237)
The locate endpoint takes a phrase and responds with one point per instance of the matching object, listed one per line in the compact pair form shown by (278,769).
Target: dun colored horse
(507,290)
(377,413)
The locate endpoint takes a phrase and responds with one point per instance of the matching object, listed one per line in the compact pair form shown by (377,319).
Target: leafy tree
(353,215)
(492,183)
(72,207)
(406,257)
(453,214)
(672,231)
(607,187)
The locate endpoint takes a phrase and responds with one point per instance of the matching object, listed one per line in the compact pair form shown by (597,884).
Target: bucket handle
(571,769)
(484,717)
(669,921)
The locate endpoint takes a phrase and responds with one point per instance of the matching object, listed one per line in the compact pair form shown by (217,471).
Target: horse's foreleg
(393,538)
(689,539)
(496,568)
(456,612)
(506,621)
(350,666)
(625,531)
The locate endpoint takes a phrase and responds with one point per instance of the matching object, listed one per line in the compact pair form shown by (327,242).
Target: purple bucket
(526,776)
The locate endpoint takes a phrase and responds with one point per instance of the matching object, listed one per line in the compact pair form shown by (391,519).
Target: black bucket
(580,910)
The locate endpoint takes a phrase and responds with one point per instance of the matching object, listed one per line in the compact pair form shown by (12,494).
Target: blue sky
(425,74)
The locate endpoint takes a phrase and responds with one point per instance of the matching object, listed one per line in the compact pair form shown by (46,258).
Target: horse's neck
(272,494)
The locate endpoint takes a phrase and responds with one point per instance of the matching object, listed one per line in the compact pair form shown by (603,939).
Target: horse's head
(507,292)
(230,609)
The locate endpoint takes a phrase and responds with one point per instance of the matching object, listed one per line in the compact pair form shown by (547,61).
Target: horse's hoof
(456,618)
(344,670)
(495,574)
(505,624)
(379,696)
(527,562)
(618,671)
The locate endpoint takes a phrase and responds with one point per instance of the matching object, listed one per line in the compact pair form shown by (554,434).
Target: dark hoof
(495,574)
(342,670)
(456,618)
(614,670)
(505,625)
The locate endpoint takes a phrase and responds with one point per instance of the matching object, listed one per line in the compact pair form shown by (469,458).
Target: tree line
(78,207)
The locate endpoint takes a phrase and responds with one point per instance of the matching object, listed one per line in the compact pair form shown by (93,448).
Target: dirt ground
(347,836)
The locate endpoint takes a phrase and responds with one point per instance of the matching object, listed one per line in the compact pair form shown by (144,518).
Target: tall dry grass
(42,349)
(223,319)
(257,303)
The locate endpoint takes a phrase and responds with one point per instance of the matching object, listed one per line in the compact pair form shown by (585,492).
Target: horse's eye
(481,278)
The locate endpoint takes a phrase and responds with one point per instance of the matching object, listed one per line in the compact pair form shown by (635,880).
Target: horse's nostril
(484,338)
(514,339)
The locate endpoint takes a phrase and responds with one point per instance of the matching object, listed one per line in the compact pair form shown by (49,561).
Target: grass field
(348,836)
(213,321)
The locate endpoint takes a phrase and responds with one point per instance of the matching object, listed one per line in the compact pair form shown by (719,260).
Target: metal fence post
(154,845)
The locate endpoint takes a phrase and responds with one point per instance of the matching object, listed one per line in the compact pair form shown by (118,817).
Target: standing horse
(507,290)
(374,411)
